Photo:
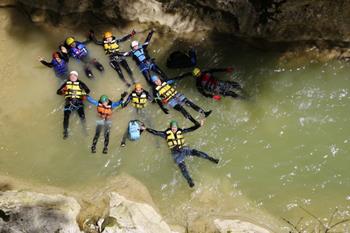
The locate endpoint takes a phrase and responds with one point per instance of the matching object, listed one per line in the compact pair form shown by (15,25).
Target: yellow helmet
(108,34)
(196,72)
(70,40)
(138,86)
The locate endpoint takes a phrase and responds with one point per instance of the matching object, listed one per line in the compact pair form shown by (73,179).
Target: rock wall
(272,20)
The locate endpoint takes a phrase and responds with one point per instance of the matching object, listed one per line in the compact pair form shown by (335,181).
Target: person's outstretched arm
(193,128)
(181,76)
(127,101)
(227,69)
(60,90)
(84,87)
(126,37)
(156,132)
(148,39)
(92,101)
(120,102)
(93,38)
(48,64)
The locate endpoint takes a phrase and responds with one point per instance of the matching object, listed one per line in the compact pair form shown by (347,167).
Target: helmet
(108,34)
(103,98)
(74,73)
(55,55)
(196,72)
(134,43)
(154,78)
(138,86)
(174,123)
(70,40)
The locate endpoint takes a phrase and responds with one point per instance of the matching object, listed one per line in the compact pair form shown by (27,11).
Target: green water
(288,145)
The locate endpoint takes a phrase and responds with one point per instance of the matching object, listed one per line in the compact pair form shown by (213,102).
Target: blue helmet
(154,78)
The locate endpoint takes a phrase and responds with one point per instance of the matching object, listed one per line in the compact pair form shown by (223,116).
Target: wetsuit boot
(88,72)
(98,65)
(206,114)
(65,134)
(185,173)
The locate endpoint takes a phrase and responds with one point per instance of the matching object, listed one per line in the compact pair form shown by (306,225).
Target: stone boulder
(238,226)
(35,212)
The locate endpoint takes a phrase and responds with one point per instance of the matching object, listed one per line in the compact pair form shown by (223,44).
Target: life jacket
(104,112)
(111,47)
(73,90)
(139,55)
(208,81)
(134,131)
(138,101)
(166,92)
(174,139)
(79,51)
(60,68)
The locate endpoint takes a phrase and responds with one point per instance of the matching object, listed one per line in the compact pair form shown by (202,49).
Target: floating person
(104,110)
(179,59)
(116,59)
(78,50)
(59,63)
(168,95)
(74,92)
(139,99)
(144,62)
(211,87)
(176,143)
(133,132)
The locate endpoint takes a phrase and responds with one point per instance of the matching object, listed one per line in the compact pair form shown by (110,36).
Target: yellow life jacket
(73,90)
(166,92)
(138,101)
(175,139)
(111,47)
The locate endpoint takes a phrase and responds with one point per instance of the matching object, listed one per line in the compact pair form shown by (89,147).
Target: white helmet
(74,73)
(134,43)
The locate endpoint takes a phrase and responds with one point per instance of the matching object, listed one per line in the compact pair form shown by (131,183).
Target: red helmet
(55,55)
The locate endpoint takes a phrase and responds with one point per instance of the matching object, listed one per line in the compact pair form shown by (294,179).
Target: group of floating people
(163,93)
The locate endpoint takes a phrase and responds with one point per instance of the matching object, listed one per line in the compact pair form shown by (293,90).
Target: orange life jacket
(104,112)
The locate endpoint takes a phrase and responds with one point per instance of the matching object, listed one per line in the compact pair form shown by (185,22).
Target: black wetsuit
(209,86)
(73,104)
(179,153)
(116,59)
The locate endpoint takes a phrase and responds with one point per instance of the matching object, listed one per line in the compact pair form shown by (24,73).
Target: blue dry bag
(134,130)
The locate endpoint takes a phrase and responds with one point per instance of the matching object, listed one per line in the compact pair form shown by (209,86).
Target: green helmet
(103,98)
(174,123)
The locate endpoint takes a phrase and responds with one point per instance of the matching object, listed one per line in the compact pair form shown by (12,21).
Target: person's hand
(229,69)
(143,127)
(124,94)
(217,97)
(41,59)
(201,122)
(166,111)
(63,49)
(133,32)
(153,30)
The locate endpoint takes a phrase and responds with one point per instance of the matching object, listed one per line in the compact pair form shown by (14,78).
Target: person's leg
(203,155)
(81,114)
(125,65)
(107,129)
(125,136)
(185,173)
(97,135)
(159,71)
(188,116)
(98,65)
(66,116)
(115,65)
(196,107)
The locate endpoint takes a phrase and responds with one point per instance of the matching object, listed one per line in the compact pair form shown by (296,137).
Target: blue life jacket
(60,69)
(134,131)
(78,52)
(139,55)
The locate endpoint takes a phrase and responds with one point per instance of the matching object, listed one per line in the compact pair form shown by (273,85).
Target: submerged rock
(35,212)
(238,226)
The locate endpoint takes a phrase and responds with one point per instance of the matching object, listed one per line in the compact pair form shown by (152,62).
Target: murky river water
(288,145)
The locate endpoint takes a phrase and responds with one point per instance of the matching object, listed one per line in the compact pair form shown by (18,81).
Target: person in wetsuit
(176,143)
(140,55)
(78,50)
(104,110)
(111,46)
(211,87)
(166,94)
(74,92)
(59,63)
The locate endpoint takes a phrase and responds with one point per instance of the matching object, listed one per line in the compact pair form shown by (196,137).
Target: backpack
(134,131)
